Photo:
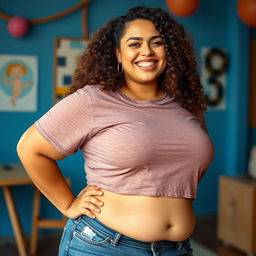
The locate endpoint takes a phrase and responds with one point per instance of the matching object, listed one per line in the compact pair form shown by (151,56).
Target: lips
(146,64)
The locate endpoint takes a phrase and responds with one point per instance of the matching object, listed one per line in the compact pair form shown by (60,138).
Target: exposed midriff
(148,218)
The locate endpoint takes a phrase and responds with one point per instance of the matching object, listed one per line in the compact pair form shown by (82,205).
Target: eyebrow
(140,38)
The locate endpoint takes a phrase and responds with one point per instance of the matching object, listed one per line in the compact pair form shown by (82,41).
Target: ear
(118,54)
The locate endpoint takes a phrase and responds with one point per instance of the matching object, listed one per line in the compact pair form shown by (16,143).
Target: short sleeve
(67,124)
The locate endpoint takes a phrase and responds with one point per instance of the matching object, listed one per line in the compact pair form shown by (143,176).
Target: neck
(142,92)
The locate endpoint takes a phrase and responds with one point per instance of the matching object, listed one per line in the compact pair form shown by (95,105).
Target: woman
(135,110)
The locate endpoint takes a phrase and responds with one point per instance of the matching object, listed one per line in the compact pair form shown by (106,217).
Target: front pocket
(90,235)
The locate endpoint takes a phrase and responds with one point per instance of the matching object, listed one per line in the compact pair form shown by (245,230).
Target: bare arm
(39,158)
(5,82)
(27,84)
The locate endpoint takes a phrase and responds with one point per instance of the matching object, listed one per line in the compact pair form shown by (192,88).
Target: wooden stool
(37,222)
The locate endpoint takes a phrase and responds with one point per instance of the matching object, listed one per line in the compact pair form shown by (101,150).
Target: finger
(94,201)
(94,192)
(88,213)
(92,207)
(89,189)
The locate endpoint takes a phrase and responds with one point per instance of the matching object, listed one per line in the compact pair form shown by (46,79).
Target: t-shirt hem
(143,192)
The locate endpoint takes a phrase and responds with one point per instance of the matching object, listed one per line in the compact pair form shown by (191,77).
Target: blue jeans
(90,237)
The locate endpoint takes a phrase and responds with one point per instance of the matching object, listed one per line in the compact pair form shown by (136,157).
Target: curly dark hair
(180,79)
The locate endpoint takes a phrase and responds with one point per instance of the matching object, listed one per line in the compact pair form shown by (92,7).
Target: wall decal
(18,83)
(214,77)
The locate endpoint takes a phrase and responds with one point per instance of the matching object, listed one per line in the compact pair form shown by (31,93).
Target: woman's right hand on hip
(86,203)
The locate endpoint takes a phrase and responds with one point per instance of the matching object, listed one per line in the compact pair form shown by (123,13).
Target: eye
(157,43)
(134,45)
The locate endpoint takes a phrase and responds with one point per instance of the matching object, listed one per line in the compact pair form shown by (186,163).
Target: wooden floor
(204,234)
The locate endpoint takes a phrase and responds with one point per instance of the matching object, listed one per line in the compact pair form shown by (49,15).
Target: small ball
(182,8)
(18,26)
(247,12)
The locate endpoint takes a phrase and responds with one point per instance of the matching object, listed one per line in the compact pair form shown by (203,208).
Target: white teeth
(145,64)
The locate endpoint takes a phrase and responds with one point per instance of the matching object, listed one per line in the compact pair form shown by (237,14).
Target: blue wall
(214,24)
(252,131)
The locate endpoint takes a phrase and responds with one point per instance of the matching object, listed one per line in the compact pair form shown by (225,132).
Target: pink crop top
(153,148)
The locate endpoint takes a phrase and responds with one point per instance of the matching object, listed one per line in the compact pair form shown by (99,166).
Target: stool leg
(19,237)
(35,218)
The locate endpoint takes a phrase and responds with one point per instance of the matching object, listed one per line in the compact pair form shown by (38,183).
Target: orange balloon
(247,12)
(182,7)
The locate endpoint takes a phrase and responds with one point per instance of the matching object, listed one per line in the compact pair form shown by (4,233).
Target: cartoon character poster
(18,83)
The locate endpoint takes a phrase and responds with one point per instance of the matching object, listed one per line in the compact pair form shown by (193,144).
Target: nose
(146,50)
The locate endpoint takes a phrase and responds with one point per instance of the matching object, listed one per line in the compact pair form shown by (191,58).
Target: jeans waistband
(116,237)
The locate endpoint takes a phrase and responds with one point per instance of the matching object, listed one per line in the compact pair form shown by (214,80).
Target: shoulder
(86,94)
(92,91)
(97,94)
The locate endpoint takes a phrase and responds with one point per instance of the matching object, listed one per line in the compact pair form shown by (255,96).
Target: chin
(148,81)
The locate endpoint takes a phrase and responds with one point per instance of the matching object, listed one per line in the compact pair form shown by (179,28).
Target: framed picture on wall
(18,83)
(67,55)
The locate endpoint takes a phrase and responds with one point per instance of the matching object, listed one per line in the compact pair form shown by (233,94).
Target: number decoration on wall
(214,77)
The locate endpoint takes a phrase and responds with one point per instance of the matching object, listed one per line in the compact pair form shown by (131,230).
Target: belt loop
(116,238)
(179,246)
(78,220)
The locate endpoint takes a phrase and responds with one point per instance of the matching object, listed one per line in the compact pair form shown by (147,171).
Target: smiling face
(16,72)
(141,53)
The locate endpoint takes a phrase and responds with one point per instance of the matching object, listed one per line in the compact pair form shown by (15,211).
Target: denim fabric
(86,236)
